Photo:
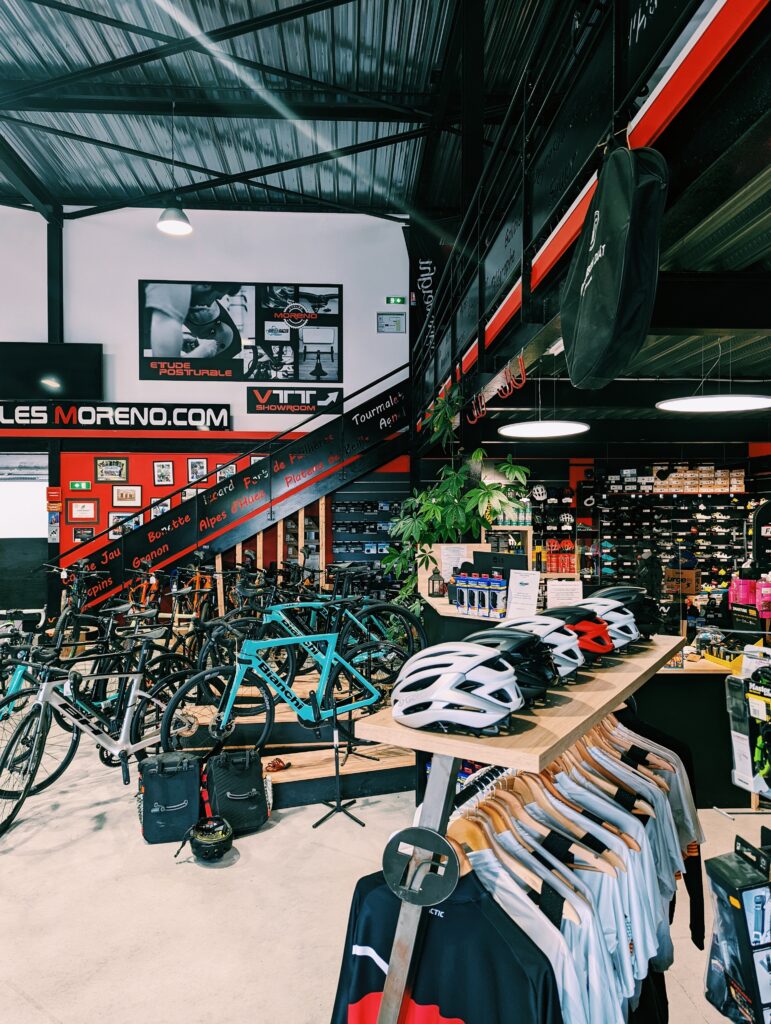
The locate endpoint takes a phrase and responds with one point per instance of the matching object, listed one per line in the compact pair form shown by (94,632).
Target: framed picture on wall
(82,511)
(121,523)
(188,492)
(126,496)
(82,533)
(160,508)
(110,470)
(163,474)
(225,472)
(196,469)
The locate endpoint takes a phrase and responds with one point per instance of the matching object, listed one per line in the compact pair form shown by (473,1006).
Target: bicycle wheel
(222,645)
(20,756)
(192,714)
(382,621)
(61,744)
(149,711)
(378,662)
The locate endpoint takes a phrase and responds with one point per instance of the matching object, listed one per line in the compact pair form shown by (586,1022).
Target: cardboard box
(682,581)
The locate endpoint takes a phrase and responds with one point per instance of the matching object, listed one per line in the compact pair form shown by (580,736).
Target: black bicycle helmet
(530,656)
(646,611)
(211,838)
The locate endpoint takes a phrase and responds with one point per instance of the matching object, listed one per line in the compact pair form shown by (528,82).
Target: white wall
(23,509)
(106,255)
(23,290)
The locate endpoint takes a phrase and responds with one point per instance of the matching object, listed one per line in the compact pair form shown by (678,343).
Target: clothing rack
(540,735)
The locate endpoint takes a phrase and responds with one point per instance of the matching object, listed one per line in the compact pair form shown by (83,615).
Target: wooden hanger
(512,807)
(464,864)
(510,862)
(601,741)
(640,806)
(653,760)
(549,783)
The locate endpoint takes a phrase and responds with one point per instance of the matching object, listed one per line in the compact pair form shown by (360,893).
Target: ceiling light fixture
(716,403)
(173,220)
(541,429)
(532,429)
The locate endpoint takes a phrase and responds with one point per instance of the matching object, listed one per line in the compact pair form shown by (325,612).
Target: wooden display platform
(543,733)
(311,777)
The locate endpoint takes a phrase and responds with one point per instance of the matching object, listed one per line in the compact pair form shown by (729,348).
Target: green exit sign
(80,485)
(396,300)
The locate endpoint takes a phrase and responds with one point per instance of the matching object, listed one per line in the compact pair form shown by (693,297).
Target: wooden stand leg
(434,814)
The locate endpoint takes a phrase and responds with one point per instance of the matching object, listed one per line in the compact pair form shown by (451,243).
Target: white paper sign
(523,593)
(452,556)
(561,592)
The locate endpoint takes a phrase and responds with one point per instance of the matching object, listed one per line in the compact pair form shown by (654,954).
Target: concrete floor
(97,926)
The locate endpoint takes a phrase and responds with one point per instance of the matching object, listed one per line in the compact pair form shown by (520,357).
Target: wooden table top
(541,734)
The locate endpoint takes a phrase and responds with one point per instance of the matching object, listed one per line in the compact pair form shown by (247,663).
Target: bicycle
(61,697)
(237,702)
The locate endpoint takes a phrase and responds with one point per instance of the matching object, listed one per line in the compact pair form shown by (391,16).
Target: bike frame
(71,713)
(250,659)
(275,613)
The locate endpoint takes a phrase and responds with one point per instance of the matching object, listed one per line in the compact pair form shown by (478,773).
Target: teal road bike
(234,705)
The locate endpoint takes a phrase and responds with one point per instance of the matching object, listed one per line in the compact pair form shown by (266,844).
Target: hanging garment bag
(237,790)
(169,796)
(607,299)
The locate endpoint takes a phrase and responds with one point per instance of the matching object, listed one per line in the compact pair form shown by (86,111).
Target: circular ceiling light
(173,221)
(538,429)
(716,403)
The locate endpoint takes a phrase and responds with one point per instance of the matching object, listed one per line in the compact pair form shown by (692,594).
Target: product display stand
(338,807)
(544,734)
(350,743)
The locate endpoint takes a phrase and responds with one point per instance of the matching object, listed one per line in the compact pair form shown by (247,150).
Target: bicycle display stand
(546,733)
(350,747)
(338,807)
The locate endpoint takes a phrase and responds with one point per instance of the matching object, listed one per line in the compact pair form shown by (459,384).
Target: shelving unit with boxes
(362,514)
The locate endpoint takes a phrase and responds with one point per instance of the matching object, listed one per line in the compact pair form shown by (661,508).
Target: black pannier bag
(236,789)
(169,796)
(608,295)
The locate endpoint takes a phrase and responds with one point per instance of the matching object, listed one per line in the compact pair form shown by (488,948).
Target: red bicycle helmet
(592,631)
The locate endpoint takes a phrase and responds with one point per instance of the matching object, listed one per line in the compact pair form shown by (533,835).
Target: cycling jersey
(475,965)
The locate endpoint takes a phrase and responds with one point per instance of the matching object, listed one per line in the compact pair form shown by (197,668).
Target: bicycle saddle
(43,655)
(247,591)
(119,609)
(152,634)
(149,614)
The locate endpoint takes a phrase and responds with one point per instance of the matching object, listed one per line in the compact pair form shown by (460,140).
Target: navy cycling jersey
(475,966)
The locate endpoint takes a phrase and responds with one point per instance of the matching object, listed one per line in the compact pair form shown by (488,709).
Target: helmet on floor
(592,631)
(529,655)
(456,687)
(622,627)
(211,838)
(564,644)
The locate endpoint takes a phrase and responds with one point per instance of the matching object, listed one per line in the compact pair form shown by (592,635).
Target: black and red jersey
(475,966)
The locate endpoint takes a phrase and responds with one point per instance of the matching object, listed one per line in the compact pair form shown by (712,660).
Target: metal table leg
(434,814)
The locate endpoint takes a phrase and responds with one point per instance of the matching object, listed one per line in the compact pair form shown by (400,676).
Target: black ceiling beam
(195,168)
(445,89)
(131,101)
(473,98)
(711,303)
(256,172)
(406,112)
(177,46)
(26,183)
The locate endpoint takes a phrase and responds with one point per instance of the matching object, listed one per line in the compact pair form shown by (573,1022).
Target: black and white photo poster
(227,330)
(301,327)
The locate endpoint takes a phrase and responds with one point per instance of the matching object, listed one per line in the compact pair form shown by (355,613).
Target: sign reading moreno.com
(113,416)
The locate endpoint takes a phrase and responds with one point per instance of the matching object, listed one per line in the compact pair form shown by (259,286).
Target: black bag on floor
(169,796)
(236,790)
(607,299)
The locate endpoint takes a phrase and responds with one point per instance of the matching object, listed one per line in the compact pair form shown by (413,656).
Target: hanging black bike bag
(169,796)
(237,790)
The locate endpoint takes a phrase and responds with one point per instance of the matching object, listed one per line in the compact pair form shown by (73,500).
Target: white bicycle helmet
(456,687)
(539,493)
(622,627)
(565,651)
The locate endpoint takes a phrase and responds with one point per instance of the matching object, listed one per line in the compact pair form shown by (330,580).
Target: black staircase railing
(273,486)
